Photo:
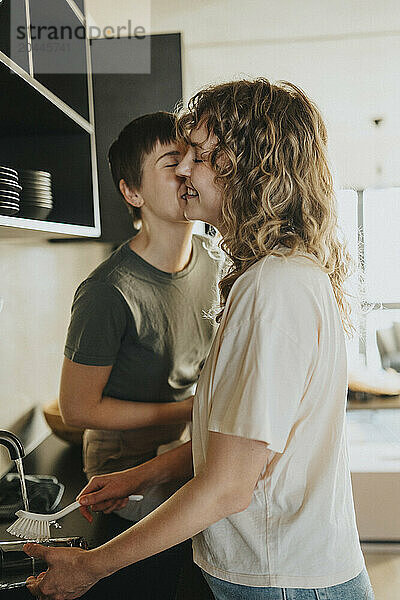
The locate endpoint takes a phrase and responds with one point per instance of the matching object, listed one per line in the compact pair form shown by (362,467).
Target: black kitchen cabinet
(47,119)
(119,98)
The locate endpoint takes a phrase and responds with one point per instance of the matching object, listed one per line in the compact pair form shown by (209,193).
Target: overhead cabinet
(119,98)
(47,114)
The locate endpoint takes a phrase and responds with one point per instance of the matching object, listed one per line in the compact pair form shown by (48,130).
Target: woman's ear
(131,195)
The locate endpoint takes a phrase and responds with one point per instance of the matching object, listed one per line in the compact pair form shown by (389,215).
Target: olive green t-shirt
(151,327)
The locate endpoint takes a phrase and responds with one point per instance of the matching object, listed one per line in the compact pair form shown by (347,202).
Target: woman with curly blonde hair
(274,177)
(269,506)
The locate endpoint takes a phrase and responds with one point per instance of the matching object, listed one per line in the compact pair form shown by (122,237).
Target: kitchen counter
(55,457)
(360,401)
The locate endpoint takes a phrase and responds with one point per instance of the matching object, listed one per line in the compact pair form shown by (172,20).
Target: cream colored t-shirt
(277,373)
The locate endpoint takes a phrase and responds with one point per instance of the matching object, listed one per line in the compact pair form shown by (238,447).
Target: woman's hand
(110,492)
(69,574)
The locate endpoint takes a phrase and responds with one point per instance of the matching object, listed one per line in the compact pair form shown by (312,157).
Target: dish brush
(37,526)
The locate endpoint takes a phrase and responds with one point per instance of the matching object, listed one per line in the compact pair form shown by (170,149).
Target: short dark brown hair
(136,140)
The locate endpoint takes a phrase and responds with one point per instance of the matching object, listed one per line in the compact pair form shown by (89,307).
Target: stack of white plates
(9,191)
(37,196)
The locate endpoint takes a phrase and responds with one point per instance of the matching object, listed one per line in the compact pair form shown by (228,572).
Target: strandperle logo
(66,32)
(56,41)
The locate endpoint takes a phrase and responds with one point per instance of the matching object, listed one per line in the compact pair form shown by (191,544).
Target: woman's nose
(183,168)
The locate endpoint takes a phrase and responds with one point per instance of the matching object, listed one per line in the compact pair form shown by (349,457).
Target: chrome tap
(12,443)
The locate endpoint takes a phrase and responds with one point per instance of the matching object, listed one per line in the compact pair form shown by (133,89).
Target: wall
(344,53)
(37,284)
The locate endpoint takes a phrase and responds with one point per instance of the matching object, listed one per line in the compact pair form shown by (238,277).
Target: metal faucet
(12,443)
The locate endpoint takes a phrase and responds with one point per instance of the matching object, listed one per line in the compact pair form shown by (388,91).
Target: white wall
(344,53)
(37,284)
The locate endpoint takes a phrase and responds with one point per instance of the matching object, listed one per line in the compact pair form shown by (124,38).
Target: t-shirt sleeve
(259,380)
(98,324)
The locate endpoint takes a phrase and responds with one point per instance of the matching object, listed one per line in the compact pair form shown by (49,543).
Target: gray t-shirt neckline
(155,272)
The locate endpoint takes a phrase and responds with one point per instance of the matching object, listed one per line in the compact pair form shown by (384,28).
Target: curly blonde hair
(277,190)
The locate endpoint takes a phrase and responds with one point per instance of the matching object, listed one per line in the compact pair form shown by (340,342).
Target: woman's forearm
(83,404)
(113,414)
(174,465)
(193,508)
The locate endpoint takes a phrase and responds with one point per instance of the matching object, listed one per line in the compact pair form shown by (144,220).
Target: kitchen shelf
(22,88)
(21,229)
(48,125)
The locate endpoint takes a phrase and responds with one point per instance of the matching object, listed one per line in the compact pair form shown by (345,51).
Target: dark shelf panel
(72,88)
(25,111)
(20,49)
(67,158)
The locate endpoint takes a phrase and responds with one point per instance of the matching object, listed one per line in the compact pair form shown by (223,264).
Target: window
(347,208)
(382,244)
(373,216)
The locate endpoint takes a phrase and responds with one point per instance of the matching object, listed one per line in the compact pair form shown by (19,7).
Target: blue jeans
(358,588)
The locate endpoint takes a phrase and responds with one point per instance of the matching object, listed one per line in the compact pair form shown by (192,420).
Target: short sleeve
(259,380)
(97,326)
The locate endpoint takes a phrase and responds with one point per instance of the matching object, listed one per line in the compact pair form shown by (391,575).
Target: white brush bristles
(30,529)
(37,526)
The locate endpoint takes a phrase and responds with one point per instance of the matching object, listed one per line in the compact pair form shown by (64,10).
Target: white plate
(8,175)
(9,200)
(4,198)
(35,186)
(39,189)
(8,169)
(9,193)
(10,206)
(34,197)
(10,182)
(35,174)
